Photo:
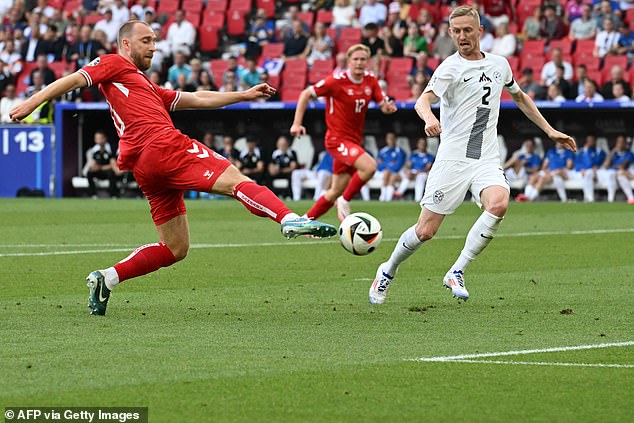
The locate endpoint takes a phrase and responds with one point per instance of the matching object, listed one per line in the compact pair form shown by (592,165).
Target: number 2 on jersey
(485,97)
(359,103)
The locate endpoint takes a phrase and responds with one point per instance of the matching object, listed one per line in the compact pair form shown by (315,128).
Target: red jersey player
(165,162)
(347,97)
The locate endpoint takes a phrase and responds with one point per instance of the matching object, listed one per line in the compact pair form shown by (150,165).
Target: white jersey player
(469,85)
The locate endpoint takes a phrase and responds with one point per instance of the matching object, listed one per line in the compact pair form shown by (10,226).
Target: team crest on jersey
(368,91)
(438,196)
(350,91)
(94,62)
(354,151)
(497,76)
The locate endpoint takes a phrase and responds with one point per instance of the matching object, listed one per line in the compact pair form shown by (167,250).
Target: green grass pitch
(254,328)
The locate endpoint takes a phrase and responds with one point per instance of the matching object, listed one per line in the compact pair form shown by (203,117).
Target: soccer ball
(360,233)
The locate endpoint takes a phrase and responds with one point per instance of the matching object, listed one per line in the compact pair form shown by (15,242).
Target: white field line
(268,244)
(475,358)
(543,363)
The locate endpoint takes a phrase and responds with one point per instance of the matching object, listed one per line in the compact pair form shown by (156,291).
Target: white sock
(588,186)
(389,193)
(559,184)
(297,178)
(290,216)
(382,194)
(610,184)
(419,187)
(531,192)
(407,245)
(112,277)
(322,183)
(480,234)
(365,193)
(624,183)
(403,186)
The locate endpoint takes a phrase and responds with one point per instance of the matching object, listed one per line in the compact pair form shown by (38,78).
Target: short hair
(356,48)
(371,26)
(127,28)
(465,11)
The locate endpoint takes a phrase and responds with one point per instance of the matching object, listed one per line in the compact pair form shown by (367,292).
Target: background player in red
(347,97)
(165,161)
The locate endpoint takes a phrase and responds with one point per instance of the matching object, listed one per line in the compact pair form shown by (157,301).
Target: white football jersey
(469,92)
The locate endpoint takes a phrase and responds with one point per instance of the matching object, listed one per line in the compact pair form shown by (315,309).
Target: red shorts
(345,153)
(165,171)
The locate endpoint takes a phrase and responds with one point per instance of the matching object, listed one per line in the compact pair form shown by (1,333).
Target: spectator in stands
(181,34)
(574,10)
(425,22)
(555,169)
(343,14)
(372,12)
(101,164)
(607,40)
(260,34)
(416,169)
(588,160)
(340,63)
(295,45)
(109,26)
(602,11)
(523,164)
(564,86)
(230,82)
(265,79)
(486,41)
(183,84)
(85,50)
(499,11)
(251,163)
(443,44)
(393,44)
(228,151)
(36,83)
(417,89)
(196,67)
(251,75)
(140,9)
(618,93)
(283,161)
(286,24)
(321,175)
(530,86)
(120,12)
(100,36)
(584,27)
(617,169)
(552,27)
(530,29)
(553,93)
(505,43)
(180,66)
(372,40)
(590,94)
(395,22)
(205,83)
(47,74)
(549,71)
(11,59)
(320,44)
(626,41)
(617,74)
(389,163)
(234,67)
(414,42)
(33,46)
(163,48)
(576,88)
(8,101)
(53,44)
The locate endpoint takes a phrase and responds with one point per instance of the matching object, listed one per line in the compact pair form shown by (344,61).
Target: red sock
(143,260)
(320,207)
(260,200)
(354,186)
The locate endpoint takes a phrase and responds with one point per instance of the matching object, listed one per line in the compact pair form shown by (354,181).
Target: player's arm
(527,106)
(297,129)
(423,108)
(388,107)
(61,86)
(214,99)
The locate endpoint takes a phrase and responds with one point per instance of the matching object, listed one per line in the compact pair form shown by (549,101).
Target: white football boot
(380,286)
(455,281)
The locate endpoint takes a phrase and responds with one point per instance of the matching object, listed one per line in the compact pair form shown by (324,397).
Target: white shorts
(449,181)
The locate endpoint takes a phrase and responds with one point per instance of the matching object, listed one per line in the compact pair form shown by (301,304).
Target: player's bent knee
(425,232)
(498,208)
(180,252)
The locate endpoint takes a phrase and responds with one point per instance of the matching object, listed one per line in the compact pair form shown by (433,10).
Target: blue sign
(26,158)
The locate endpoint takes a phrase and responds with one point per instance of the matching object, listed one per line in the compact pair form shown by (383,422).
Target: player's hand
(259,91)
(432,127)
(388,107)
(298,130)
(22,110)
(566,140)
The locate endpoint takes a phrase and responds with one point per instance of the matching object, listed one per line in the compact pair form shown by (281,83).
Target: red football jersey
(346,104)
(139,108)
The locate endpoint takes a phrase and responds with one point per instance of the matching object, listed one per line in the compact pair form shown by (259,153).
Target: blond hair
(358,47)
(465,11)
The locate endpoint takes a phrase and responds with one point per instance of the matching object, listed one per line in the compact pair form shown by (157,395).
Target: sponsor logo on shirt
(497,76)
(438,196)
(94,62)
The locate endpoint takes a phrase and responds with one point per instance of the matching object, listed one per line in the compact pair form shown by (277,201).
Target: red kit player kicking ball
(347,97)
(165,162)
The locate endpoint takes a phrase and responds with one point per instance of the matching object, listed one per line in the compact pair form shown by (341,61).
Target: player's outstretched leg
(99,293)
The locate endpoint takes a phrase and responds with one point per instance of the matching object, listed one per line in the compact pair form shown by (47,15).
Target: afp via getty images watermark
(76,414)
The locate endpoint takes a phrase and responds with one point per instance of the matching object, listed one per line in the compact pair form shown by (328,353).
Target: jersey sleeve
(323,88)
(170,98)
(102,69)
(377,92)
(510,84)
(440,81)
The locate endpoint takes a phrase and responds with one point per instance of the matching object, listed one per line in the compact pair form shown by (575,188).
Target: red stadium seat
(58,68)
(193,17)
(506,96)
(564,45)
(534,62)
(192,6)
(208,38)
(296,65)
(399,93)
(615,59)
(591,62)
(272,50)
(595,75)
(400,66)
(23,77)
(218,67)
(290,94)
(56,4)
(533,48)
(295,73)
(167,7)
(235,22)
(274,81)
(324,16)
(514,62)
(244,5)
(92,19)
(433,62)
(320,70)
(583,46)
(216,6)
(308,18)
(268,6)
(215,19)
